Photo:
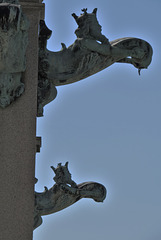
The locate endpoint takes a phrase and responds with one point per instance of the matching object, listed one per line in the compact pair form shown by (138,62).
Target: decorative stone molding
(64,193)
(13,43)
(90,53)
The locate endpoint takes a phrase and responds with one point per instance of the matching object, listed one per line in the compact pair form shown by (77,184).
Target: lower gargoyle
(64,193)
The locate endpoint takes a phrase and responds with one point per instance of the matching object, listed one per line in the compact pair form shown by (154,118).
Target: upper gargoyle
(90,53)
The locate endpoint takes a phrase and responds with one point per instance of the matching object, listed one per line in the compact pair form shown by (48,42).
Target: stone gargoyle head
(88,26)
(62,175)
(13,43)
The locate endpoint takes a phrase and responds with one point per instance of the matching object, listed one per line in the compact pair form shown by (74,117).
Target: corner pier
(18,142)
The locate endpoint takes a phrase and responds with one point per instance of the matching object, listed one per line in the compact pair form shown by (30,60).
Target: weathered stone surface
(10,1)
(64,193)
(13,43)
(89,54)
(18,145)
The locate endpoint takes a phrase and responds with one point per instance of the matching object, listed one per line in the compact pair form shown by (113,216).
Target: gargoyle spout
(90,53)
(64,193)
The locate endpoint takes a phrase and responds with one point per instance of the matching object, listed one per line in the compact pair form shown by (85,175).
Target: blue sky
(108,127)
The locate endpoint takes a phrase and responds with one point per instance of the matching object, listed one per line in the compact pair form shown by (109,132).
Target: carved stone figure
(90,53)
(13,43)
(64,193)
(88,26)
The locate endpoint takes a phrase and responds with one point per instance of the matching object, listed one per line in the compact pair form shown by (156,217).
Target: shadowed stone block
(38,144)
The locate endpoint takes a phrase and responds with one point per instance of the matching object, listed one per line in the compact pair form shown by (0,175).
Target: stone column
(18,143)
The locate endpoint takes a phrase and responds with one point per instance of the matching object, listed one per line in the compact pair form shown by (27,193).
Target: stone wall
(18,143)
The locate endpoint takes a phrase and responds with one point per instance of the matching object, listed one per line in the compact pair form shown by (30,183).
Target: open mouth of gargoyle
(9,16)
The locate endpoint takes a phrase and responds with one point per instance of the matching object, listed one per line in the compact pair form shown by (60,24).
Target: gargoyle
(90,53)
(13,44)
(64,193)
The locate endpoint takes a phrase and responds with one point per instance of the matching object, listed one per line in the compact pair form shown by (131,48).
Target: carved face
(88,26)
(62,174)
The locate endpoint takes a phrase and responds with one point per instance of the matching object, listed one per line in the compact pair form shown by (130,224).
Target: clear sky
(108,127)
